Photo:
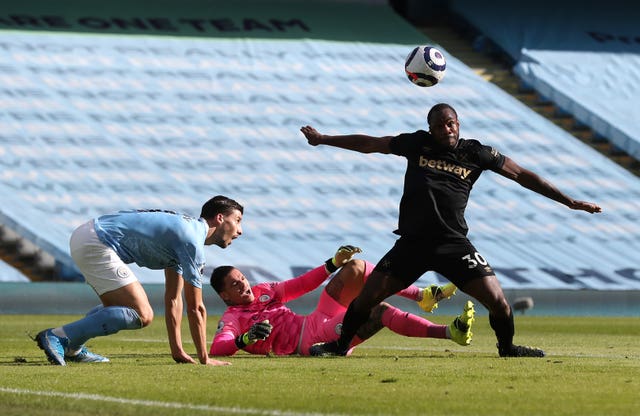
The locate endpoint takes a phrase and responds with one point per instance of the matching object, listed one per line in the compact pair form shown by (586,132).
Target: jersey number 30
(472,262)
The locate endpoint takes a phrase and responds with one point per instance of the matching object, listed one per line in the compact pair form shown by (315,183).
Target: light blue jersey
(157,239)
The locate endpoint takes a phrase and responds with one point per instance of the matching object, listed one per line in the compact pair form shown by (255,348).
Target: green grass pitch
(592,368)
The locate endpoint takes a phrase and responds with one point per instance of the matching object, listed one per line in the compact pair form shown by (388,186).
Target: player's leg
(487,290)
(405,259)
(378,287)
(109,319)
(319,328)
(348,281)
(125,304)
(410,325)
(125,307)
(325,324)
(400,322)
(469,270)
(327,328)
(131,296)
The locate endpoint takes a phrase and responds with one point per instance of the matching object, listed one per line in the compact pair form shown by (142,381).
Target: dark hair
(217,277)
(219,205)
(437,108)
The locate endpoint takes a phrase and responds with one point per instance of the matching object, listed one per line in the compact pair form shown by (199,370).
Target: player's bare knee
(146,316)
(348,282)
(354,269)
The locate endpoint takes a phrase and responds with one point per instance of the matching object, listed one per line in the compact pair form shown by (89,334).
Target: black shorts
(456,259)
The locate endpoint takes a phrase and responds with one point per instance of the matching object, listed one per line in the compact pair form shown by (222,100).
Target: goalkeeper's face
(237,290)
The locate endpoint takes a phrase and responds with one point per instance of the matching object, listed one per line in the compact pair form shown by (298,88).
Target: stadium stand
(21,254)
(582,56)
(113,109)
(8,273)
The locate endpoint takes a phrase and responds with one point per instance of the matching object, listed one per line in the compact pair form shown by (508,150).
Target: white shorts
(103,270)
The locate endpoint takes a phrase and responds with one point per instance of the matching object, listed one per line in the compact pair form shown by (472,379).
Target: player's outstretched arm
(357,142)
(534,182)
(585,206)
(173,315)
(197,314)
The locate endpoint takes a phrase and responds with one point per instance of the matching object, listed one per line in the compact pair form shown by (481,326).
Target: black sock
(353,319)
(504,329)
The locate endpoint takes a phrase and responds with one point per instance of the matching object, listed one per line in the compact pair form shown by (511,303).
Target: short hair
(219,204)
(217,277)
(438,108)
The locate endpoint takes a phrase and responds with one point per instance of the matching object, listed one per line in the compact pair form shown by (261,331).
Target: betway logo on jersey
(445,166)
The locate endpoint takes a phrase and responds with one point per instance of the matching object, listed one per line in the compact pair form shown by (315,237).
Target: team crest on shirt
(264,298)
(220,327)
(123,272)
(338,329)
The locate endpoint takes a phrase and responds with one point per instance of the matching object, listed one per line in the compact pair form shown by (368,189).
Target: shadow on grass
(151,359)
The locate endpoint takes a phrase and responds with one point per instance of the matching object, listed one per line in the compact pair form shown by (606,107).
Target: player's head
(219,204)
(223,215)
(231,285)
(444,125)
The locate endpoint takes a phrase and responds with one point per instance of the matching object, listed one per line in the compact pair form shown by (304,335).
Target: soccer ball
(425,66)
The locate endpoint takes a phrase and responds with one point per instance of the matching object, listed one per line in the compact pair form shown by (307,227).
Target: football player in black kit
(441,171)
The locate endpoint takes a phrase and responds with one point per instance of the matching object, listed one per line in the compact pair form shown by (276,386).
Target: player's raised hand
(585,206)
(344,254)
(312,135)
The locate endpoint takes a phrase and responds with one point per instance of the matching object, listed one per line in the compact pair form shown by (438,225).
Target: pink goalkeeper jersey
(269,303)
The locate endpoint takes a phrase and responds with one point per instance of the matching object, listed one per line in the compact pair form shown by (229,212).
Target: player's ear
(224,296)
(216,220)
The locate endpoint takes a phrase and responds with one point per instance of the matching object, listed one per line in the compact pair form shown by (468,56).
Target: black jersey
(437,183)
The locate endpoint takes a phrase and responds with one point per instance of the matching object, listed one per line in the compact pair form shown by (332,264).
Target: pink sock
(407,324)
(411,292)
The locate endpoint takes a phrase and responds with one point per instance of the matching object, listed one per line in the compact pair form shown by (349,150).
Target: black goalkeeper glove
(258,331)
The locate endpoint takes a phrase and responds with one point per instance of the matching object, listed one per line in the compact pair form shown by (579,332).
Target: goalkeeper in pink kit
(258,321)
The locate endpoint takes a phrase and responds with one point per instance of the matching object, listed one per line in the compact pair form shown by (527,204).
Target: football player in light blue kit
(156,239)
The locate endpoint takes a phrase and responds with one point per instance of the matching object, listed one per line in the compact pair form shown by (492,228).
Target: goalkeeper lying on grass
(258,321)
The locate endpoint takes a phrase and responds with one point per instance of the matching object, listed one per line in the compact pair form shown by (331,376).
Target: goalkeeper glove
(343,255)
(258,331)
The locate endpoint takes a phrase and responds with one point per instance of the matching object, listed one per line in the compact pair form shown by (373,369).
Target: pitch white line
(153,403)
